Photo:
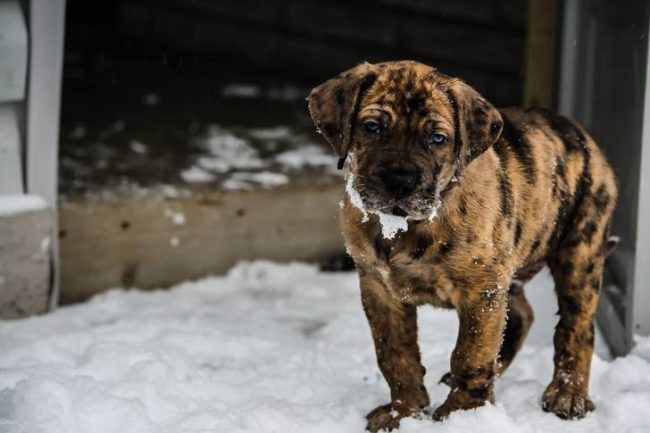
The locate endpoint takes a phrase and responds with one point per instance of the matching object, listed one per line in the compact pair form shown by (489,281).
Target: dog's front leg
(482,316)
(394,331)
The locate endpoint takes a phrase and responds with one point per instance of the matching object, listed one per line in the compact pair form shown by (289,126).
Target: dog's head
(410,130)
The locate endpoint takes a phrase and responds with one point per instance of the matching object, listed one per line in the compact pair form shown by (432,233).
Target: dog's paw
(387,417)
(566,402)
(460,399)
(382,418)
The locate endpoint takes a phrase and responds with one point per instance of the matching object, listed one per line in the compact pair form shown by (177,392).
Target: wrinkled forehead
(406,89)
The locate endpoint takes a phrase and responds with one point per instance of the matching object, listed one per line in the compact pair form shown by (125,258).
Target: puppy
(452,202)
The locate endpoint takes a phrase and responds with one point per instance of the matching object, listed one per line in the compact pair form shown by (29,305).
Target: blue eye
(372,127)
(438,139)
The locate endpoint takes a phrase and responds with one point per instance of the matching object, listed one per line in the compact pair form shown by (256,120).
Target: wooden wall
(309,40)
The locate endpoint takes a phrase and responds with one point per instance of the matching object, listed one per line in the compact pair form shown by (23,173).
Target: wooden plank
(148,244)
(303,24)
(505,13)
(25,265)
(540,53)
(417,35)
(304,56)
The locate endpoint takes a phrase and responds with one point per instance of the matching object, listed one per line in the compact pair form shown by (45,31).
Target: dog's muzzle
(399,182)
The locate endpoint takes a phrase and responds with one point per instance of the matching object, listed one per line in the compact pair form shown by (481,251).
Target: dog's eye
(372,127)
(438,139)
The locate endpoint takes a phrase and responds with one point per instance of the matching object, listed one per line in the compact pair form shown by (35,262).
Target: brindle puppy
(490,196)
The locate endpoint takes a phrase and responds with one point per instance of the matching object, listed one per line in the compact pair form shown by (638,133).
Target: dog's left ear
(478,123)
(334,105)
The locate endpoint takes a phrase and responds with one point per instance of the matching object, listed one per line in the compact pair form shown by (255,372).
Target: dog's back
(556,182)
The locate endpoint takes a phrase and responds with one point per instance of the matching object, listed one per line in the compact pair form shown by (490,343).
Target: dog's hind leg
(577,292)
(577,269)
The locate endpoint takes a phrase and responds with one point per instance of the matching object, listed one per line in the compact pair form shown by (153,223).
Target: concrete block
(24,258)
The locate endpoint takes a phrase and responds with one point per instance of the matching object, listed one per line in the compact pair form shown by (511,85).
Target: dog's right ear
(478,123)
(334,105)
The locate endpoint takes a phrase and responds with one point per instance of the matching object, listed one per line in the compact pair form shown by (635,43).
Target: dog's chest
(409,271)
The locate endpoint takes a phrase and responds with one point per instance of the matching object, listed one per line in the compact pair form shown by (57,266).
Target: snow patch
(280,132)
(46,243)
(391,224)
(434,209)
(226,151)
(243,180)
(355,197)
(178,218)
(306,156)
(196,174)
(240,90)
(138,147)
(287,93)
(78,132)
(11,204)
(151,99)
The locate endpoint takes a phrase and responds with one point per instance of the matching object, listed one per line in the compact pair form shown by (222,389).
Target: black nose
(399,182)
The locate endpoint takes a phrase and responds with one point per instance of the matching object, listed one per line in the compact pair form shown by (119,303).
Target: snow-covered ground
(267,348)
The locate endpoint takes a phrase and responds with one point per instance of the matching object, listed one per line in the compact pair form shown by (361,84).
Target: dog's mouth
(412,211)
(402,210)
(371,199)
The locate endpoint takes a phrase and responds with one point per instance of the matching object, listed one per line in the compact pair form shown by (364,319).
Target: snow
(355,197)
(244,180)
(227,151)
(307,155)
(391,224)
(280,132)
(266,348)
(230,158)
(151,99)
(284,93)
(78,132)
(46,243)
(238,90)
(177,218)
(196,174)
(138,147)
(11,204)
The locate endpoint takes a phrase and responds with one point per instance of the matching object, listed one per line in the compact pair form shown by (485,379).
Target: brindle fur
(517,189)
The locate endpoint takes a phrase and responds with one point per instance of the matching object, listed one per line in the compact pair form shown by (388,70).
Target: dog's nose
(399,182)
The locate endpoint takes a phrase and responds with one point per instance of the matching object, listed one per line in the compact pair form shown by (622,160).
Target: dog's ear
(334,105)
(478,123)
